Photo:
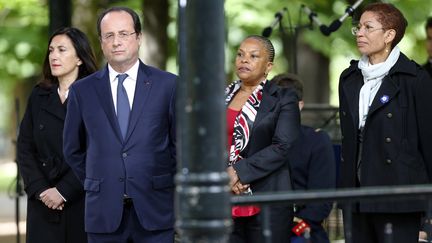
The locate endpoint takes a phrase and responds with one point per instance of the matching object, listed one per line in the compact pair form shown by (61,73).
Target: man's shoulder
(315,134)
(154,71)
(85,81)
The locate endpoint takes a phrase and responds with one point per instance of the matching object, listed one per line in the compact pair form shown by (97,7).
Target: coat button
(43,164)
(388,140)
(124,155)
(343,113)
(389,115)
(121,179)
(388,161)
(41,126)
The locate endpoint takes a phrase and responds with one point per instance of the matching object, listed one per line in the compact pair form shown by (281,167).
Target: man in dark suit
(312,166)
(428,27)
(119,139)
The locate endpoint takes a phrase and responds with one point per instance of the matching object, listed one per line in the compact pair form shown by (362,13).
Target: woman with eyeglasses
(386,127)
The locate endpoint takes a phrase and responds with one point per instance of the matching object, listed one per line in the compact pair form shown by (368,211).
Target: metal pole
(202,197)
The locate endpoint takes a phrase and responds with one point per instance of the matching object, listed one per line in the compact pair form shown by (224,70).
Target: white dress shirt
(129,83)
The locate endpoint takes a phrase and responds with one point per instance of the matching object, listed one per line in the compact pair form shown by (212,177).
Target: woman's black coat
(41,163)
(397,144)
(264,165)
(276,127)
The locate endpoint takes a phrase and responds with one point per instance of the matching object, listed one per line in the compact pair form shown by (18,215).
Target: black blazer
(40,160)
(277,125)
(397,133)
(428,67)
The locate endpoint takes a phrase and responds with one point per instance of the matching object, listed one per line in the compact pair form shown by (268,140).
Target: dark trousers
(374,227)
(131,231)
(250,229)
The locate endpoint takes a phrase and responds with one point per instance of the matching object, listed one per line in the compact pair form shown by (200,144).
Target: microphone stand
(290,41)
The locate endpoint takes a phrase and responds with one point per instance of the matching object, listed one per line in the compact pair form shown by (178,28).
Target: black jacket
(428,67)
(313,167)
(276,127)
(40,160)
(397,133)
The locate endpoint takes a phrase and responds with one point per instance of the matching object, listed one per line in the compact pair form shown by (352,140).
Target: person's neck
(65,83)
(378,58)
(248,88)
(123,67)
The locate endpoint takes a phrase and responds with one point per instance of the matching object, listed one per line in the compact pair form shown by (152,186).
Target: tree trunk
(85,18)
(154,49)
(59,14)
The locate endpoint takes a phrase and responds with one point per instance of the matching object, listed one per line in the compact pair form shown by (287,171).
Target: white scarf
(372,77)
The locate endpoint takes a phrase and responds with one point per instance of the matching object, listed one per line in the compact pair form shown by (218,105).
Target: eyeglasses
(367,29)
(123,35)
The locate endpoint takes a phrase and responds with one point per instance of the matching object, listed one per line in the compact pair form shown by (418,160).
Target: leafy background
(24,33)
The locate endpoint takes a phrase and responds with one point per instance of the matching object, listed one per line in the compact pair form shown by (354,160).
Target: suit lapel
(352,91)
(53,104)
(385,93)
(142,90)
(267,103)
(103,90)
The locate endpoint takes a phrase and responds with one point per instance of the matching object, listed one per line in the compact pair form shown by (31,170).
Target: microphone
(348,12)
(314,17)
(278,17)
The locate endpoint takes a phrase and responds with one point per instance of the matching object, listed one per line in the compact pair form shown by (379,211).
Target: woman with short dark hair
(263,121)
(386,127)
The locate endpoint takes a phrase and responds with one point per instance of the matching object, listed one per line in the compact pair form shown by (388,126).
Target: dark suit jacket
(276,127)
(428,67)
(397,134)
(313,167)
(41,163)
(143,166)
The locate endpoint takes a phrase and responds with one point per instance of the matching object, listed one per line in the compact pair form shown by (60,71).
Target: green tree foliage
(23,37)
(251,17)
(24,32)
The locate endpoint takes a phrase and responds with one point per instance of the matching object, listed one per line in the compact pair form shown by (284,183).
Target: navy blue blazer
(313,167)
(143,165)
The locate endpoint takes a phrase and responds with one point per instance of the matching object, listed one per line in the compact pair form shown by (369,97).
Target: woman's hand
(232,176)
(238,188)
(52,198)
(235,184)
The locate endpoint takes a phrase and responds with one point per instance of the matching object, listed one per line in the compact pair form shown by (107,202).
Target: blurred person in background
(426,223)
(55,206)
(428,29)
(313,166)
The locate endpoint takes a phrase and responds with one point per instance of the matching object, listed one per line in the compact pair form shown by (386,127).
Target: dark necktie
(123,108)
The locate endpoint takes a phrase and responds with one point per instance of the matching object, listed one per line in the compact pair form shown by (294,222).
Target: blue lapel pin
(384,99)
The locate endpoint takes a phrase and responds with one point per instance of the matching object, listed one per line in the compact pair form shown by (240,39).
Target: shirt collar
(132,72)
